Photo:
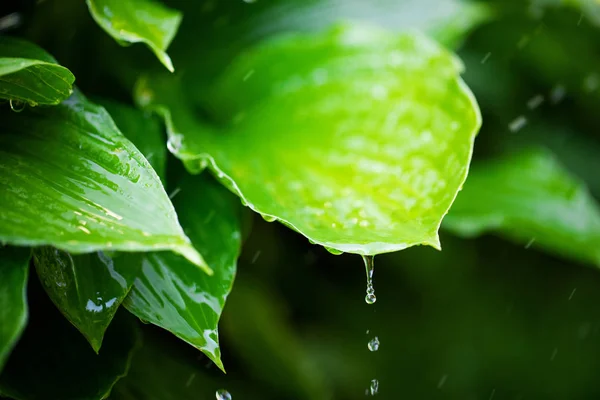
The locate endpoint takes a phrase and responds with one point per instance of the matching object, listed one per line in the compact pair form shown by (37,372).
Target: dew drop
(333,251)
(223,394)
(268,218)
(373,344)
(370,268)
(374,388)
(16,105)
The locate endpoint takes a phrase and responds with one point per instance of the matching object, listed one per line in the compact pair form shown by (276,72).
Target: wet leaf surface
(30,75)
(171,293)
(70,179)
(356,138)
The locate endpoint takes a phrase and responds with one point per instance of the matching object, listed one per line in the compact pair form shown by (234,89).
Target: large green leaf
(14,270)
(356,138)
(530,198)
(70,179)
(87,288)
(143,129)
(135,21)
(30,75)
(60,364)
(173,295)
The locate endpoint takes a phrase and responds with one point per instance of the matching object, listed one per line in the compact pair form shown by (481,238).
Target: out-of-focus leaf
(70,179)
(184,300)
(144,131)
(135,21)
(530,198)
(14,270)
(62,365)
(160,370)
(87,288)
(355,138)
(257,329)
(30,75)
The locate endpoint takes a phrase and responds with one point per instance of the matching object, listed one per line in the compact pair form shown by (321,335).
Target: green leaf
(14,270)
(356,138)
(70,179)
(87,288)
(144,131)
(173,295)
(530,198)
(30,75)
(60,364)
(135,21)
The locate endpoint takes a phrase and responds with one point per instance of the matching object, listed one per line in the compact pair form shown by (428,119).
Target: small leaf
(70,179)
(530,198)
(60,364)
(173,295)
(356,138)
(14,271)
(30,75)
(144,131)
(87,288)
(134,21)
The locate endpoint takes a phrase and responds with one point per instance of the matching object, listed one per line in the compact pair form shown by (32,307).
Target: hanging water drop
(373,344)
(333,251)
(223,394)
(374,388)
(268,218)
(16,105)
(370,268)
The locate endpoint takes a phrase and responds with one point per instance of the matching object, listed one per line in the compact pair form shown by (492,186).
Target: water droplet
(370,268)
(16,105)
(334,251)
(373,344)
(374,387)
(268,218)
(223,394)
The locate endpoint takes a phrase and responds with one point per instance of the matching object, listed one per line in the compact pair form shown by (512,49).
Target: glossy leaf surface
(144,130)
(87,288)
(14,271)
(70,179)
(63,366)
(356,138)
(530,198)
(138,21)
(30,75)
(171,293)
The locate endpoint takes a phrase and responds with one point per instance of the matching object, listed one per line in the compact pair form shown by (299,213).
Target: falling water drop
(370,268)
(223,394)
(374,387)
(373,344)
(16,105)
